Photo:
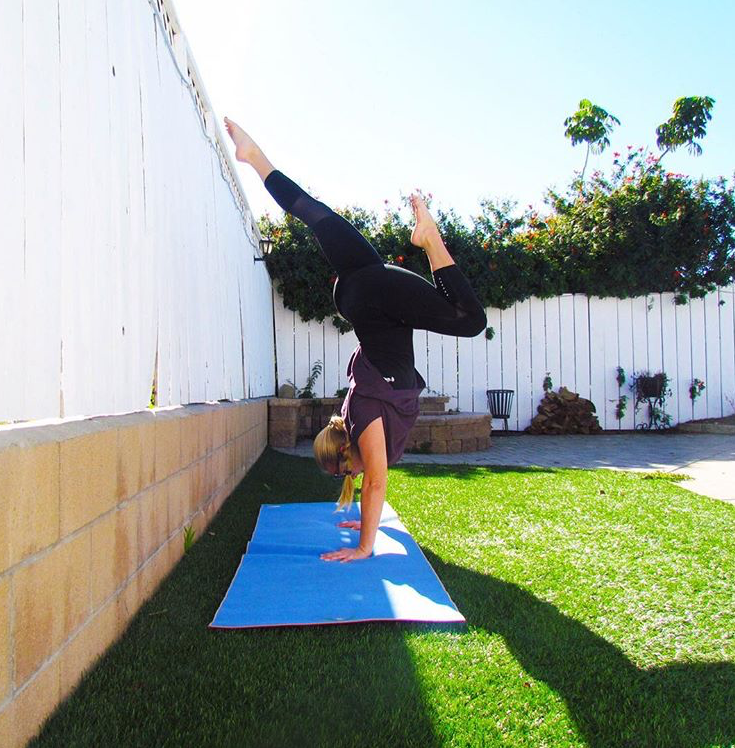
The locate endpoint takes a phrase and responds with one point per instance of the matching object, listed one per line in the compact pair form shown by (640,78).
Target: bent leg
(450,308)
(345,247)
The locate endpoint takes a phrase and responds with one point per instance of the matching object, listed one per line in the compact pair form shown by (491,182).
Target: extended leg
(344,246)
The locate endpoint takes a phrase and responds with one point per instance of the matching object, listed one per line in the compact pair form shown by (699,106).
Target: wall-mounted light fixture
(266,245)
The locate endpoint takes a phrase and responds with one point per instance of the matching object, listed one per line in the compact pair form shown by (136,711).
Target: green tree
(689,122)
(590,124)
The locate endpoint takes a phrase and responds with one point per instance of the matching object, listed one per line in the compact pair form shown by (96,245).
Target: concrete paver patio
(709,459)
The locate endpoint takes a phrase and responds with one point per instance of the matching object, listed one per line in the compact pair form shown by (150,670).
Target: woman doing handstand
(385,304)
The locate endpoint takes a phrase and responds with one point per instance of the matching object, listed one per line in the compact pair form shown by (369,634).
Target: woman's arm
(372,495)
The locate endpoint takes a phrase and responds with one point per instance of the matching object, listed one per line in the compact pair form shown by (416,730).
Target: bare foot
(245,146)
(425,228)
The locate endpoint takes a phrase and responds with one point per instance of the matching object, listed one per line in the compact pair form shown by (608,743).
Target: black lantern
(266,245)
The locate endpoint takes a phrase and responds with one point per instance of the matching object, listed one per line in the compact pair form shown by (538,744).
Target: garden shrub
(641,230)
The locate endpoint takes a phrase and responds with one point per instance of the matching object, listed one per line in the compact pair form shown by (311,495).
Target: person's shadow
(612,701)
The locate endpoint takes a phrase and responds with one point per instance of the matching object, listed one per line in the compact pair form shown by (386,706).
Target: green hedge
(641,230)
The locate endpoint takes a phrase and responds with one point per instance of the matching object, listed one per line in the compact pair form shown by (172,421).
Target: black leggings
(384,303)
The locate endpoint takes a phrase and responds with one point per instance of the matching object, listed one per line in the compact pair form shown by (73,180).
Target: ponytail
(331,445)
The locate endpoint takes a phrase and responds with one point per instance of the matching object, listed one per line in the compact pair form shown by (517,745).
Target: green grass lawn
(600,611)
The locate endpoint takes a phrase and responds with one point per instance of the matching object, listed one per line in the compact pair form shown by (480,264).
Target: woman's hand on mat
(346,554)
(353,524)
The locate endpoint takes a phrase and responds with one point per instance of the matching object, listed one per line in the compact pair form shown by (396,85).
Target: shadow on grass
(170,681)
(612,701)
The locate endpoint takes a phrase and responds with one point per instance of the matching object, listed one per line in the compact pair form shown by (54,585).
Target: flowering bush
(640,230)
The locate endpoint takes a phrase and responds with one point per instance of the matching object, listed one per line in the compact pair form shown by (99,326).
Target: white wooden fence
(126,243)
(579,341)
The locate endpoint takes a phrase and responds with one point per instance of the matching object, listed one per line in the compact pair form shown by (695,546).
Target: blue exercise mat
(281,581)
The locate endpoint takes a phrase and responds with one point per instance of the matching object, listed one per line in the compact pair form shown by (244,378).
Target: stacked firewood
(565,412)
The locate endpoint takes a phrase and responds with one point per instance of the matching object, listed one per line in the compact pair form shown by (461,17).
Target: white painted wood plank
(508,361)
(713,348)
(567,353)
(699,354)
(655,343)
(419,353)
(434,384)
(301,352)
(640,350)
(331,359)
(582,344)
(76,240)
(527,393)
(285,342)
(609,315)
(143,334)
(598,321)
(553,341)
(42,292)
(625,360)
(727,348)
(449,370)
(538,367)
(682,316)
(13,304)
(347,344)
(465,373)
(669,361)
(486,356)
(119,263)
(492,370)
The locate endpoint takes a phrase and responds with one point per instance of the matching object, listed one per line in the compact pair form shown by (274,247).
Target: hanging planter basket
(651,387)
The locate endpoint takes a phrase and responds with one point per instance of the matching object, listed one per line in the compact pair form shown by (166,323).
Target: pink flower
(616,154)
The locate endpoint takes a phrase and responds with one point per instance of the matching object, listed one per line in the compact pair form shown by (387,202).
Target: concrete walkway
(709,459)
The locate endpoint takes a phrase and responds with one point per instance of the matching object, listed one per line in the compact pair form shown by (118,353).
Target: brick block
(196,492)
(482,428)
(206,432)
(168,445)
(127,602)
(438,446)
(463,431)
(29,501)
(420,434)
(31,708)
(281,415)
(454,446)
(88,479)
(179,497)
(230,411)
(129,462)
(190,439)
(103,543)
(483,442)
(52,599)
(441,432)
(219,432)
(282,437)
(126,541)
(4,638)
(87,646)
(469,445)
(175,549)
(152,521)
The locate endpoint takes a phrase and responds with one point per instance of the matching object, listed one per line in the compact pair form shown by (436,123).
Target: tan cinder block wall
(92,515)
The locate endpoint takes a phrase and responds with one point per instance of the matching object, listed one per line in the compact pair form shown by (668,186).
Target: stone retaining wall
(450,434)
(435,431)
(92,514)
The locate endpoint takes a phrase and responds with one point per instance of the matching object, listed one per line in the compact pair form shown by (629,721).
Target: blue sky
(359,102)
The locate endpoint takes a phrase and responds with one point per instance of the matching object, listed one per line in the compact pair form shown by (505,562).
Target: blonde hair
(332,445)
